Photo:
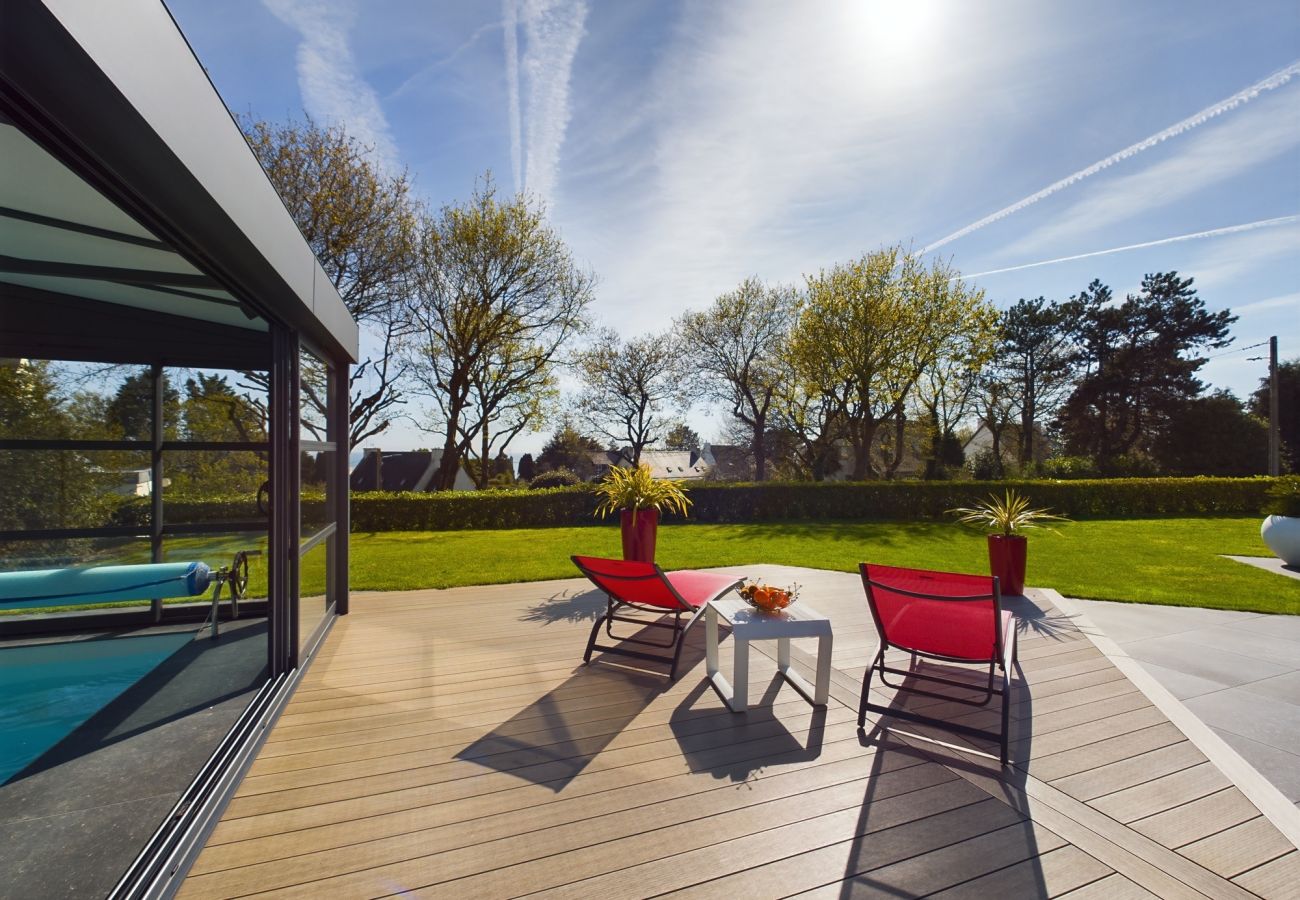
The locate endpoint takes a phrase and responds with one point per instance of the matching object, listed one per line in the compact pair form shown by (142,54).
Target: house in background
(679,465)
(981,441)
(402,470)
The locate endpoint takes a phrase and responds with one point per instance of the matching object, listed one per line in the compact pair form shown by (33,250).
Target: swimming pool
(48,690)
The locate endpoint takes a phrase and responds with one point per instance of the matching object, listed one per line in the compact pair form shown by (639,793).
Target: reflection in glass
(314,576)
(313,396)
(217,406)
(42,489)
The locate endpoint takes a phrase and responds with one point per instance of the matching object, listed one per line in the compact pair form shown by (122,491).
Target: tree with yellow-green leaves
(361,222)
(866,332)
(498,298)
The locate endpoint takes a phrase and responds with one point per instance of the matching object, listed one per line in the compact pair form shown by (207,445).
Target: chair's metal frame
(1004,660)
(614,604)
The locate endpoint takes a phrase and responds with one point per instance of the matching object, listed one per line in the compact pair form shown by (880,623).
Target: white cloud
(1237,145)
(332,88)
(538,85)
(1279,302)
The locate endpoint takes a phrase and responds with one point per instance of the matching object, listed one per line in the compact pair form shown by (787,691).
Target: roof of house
(403,470)
(730,462)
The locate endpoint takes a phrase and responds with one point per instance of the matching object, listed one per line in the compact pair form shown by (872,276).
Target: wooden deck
(450,744)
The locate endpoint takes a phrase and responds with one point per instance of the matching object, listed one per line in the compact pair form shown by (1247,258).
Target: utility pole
(1274,462)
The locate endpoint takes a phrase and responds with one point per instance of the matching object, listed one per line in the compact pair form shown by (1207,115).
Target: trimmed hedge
(768,501)
(775,501)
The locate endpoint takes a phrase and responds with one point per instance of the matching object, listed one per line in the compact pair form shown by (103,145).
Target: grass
(1173,561)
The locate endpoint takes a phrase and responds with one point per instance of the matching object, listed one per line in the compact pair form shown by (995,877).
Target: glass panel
(216,405)
(314,576)
(42,489)
(45,399)
(315,511)
(313,396)
(214,486)
(218,551)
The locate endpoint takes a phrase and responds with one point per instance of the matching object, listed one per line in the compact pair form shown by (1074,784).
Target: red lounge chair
(647,588)
(945,616)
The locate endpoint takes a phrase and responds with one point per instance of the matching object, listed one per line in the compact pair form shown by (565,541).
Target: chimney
(379,466)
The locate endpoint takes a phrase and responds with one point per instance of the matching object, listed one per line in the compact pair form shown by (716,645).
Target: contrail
(510,14)
(1213,232)
(1272,82)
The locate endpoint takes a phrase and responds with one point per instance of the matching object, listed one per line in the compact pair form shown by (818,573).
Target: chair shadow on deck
(935,816)
(554,738)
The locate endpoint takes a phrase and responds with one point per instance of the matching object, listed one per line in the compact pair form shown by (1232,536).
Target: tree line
(476,308)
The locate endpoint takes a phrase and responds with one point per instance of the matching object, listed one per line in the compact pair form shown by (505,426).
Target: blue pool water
(47,690)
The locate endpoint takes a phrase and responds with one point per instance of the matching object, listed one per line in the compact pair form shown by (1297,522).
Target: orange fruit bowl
(768,598)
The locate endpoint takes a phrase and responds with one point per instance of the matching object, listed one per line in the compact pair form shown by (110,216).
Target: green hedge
(770,501)
(774,501)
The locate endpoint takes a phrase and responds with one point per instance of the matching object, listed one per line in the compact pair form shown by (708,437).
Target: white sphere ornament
(1282,534)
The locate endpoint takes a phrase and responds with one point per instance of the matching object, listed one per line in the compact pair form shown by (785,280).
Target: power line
(1238,350)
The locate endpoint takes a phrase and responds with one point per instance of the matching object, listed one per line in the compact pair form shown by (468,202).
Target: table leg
(740,681)
(711,640)
(823,692)
(783,654)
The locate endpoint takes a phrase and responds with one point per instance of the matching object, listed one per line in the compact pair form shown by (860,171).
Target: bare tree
(498,297)
(361,223)
(736,344)
(627,388)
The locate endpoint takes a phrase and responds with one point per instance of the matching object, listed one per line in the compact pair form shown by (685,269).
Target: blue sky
(681,147)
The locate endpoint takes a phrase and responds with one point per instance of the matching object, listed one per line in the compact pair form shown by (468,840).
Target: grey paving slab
(1125,622)
(1182,685)
(1184,653)
(1281,687)
(1282,626)
(1268,564)
(1279,766)
(1267,646)
(1255,716)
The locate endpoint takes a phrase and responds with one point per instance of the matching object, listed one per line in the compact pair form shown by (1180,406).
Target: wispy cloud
(1198,235)
(1279,302)
(332,88)
(537,83)
(1272,82)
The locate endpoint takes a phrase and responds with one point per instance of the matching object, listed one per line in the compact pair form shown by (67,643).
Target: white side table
(748,624)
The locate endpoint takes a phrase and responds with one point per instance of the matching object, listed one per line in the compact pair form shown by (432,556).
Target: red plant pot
(639,538)
(1007,562)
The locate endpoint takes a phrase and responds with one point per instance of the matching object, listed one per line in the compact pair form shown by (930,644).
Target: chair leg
(866,688)
(591,641)
(1006,715)
(681,641)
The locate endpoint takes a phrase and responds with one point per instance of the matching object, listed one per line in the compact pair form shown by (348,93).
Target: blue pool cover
(51,689)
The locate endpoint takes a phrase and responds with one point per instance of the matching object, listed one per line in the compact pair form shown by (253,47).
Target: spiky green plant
(636,489)
(1007,515)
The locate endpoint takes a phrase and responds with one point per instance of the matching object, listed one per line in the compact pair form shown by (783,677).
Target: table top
(797,620)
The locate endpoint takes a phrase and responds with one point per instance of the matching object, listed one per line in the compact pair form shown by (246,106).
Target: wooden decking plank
(573,775)
(1104,752)
(1190,822)
(920,874)
(241,841)
(1165,792)
(1049,874)
(1126,773)
(1112,887)
(790,858)
(918,784)
(437,770)
(1276,880)
(425,858)
(1239,848)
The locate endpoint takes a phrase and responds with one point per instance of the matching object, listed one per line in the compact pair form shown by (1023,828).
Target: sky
(680,147)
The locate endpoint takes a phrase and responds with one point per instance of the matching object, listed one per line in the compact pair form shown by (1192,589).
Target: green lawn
(1169,561)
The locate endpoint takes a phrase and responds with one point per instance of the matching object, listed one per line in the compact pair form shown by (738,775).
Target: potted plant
(1005,518)
(639,497)
(1281,528)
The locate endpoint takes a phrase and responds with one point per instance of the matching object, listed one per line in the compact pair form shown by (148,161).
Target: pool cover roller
(102,584)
